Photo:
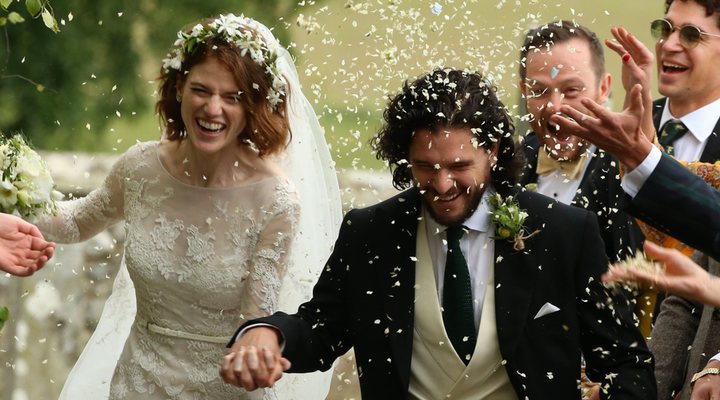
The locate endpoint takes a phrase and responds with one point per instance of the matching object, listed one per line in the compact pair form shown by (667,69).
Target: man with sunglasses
(687,122)
(685,336)
(688,53)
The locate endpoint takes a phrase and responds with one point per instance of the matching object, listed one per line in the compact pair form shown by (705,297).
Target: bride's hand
(255,360)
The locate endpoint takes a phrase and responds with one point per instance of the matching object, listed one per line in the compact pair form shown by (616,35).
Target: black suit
(600,193)
(711,152)
(365,298)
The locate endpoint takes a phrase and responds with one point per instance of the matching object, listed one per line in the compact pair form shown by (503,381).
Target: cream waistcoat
(436,371)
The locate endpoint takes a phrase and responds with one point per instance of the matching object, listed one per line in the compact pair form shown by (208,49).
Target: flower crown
(233,29)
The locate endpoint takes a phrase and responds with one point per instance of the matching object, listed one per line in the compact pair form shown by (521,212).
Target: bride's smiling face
(211,107)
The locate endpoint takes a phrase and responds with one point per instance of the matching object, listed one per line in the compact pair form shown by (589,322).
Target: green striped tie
(458,315)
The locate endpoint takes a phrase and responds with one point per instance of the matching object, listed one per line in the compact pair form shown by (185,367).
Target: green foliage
(65,90)
(35,8)
(4,315)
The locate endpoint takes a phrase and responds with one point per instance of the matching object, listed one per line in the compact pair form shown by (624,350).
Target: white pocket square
(547,308)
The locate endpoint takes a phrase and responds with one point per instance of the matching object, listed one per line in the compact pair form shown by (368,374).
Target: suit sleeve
(681,204)
(320,331)
(614,350)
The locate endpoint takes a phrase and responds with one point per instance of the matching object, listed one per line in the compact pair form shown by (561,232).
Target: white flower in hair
(230,28)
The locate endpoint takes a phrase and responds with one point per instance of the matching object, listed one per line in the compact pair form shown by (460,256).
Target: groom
(398,288)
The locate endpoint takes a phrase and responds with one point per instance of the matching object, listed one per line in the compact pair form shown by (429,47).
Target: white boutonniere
(509,219)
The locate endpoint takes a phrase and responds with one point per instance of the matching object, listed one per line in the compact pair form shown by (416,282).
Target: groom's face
(451,169)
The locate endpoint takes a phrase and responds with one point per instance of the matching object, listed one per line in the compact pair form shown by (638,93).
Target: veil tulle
(308,164)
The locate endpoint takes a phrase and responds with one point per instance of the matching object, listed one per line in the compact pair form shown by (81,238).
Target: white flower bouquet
(26,187)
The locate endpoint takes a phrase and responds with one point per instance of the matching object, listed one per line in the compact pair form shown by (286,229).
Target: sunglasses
(690,35)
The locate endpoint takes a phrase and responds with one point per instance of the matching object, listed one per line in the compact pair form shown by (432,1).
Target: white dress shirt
(557,186)
(700,124)
(476,245)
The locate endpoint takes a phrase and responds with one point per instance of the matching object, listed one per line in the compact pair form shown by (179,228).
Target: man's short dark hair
(448,98)
(711,7)
(557,32)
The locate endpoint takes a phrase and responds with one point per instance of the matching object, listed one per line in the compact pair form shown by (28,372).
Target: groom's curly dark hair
(448,98)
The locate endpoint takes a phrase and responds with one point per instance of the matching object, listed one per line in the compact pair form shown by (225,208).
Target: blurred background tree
(65,90)
(90,87)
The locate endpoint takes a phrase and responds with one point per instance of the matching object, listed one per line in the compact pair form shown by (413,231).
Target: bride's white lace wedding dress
(202,260)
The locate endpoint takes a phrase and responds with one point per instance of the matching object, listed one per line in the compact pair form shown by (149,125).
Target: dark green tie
(670,132)
(457,299)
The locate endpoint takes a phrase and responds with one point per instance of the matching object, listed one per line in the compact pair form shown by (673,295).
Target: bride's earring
(178,98)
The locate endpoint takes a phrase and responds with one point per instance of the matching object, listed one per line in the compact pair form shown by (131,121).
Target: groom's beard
(458,210)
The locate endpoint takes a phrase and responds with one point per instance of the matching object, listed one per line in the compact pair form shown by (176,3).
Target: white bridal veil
(308,164)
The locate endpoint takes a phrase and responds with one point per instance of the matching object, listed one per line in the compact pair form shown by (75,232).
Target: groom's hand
(255,360)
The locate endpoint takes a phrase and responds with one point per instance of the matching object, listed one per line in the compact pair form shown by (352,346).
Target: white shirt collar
(700,122)
(478,220)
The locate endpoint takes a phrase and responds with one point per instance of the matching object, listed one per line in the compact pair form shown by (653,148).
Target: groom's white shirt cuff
(633,181)
(259,324)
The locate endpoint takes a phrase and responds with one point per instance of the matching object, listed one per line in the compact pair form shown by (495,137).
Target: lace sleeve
(80,219)
(270,259)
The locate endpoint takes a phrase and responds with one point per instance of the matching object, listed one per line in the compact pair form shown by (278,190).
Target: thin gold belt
(186,335)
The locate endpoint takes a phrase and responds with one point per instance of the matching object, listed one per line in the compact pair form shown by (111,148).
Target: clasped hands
(255,360)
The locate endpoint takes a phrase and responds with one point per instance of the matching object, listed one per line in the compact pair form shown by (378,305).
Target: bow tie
(570,168)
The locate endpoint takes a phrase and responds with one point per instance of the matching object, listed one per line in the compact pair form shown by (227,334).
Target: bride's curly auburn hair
(267,129)
(448,98)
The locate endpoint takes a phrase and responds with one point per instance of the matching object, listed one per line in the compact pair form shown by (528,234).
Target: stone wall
(53,313)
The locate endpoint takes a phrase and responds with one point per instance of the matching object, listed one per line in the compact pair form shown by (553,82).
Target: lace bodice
(202,260)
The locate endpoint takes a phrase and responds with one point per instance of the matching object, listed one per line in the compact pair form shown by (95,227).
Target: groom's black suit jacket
(365,298)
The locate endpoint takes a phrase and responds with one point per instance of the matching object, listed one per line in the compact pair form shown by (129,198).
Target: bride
(224,218)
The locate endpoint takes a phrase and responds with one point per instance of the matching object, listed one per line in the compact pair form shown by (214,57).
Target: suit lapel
(530,146)
(398,277)
(711,153)
(514,285)
(658,107)
(588,189)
